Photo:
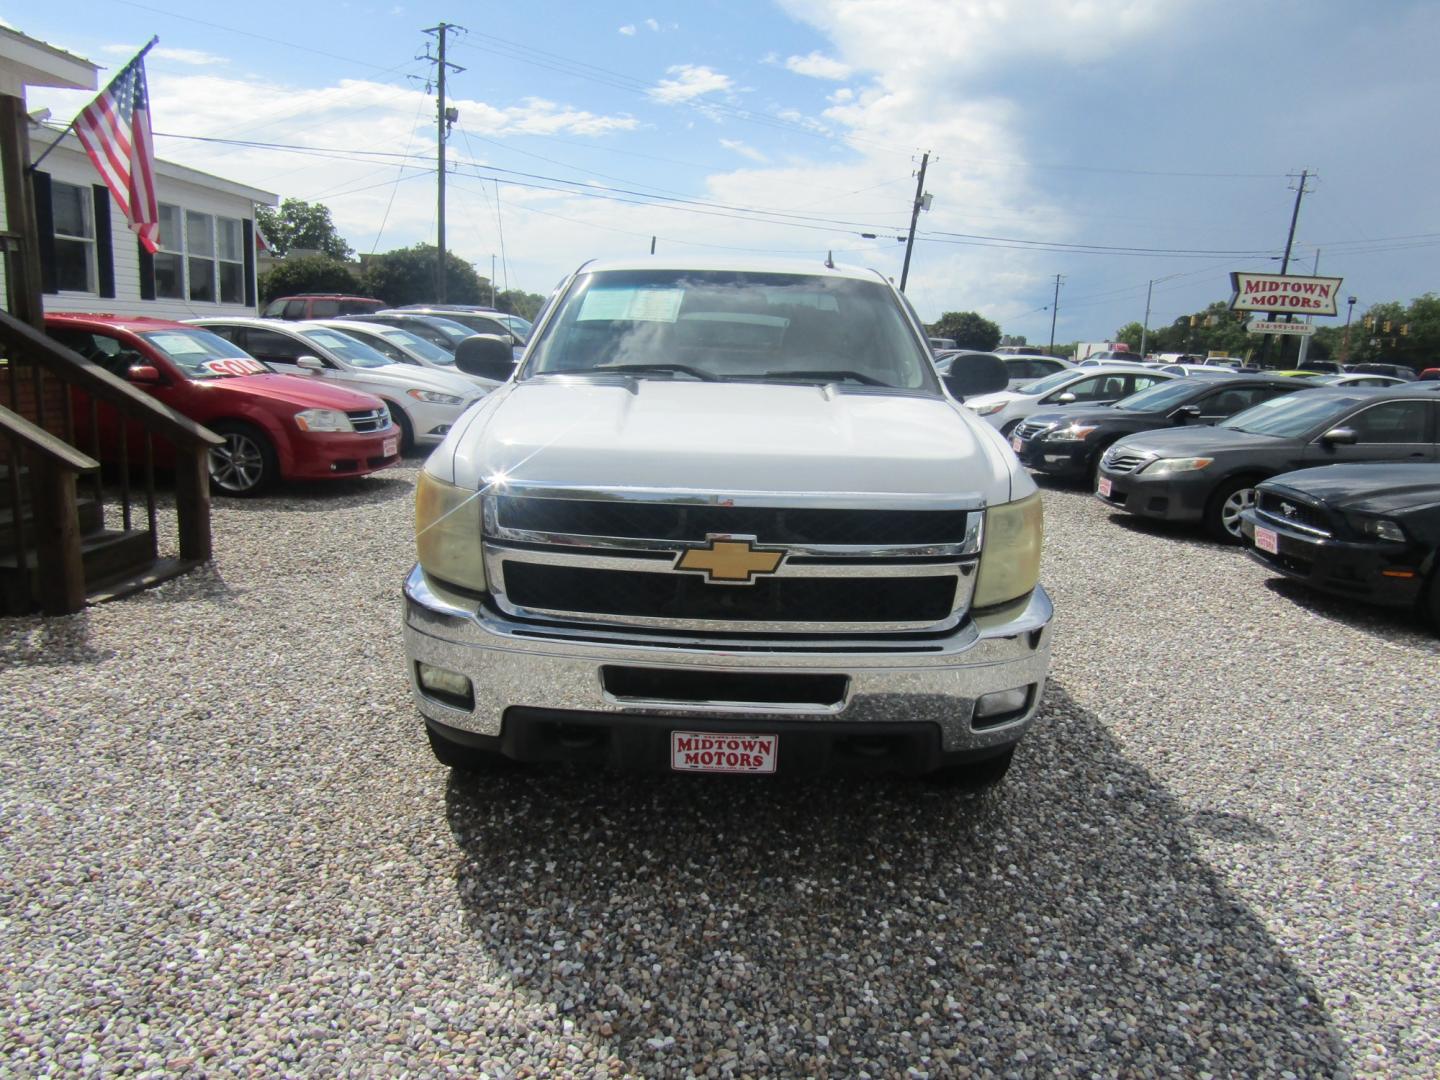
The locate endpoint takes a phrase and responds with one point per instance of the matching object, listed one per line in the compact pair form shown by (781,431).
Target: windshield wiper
(673,369)
(829,376)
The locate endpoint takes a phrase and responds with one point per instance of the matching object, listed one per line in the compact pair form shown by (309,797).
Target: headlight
(1071,432)
(447,532)
(323,420)
(1166,466)
(991,409)
(1380,528)
(435,398)
(1010,559)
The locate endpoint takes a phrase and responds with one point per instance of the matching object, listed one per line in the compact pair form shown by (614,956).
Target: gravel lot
(226,848)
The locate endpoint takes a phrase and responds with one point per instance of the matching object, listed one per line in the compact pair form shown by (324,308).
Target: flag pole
(66,129)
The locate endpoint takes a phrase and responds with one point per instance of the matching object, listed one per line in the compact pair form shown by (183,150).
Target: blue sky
(1060,132)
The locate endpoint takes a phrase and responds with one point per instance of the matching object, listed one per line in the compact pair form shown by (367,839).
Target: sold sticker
(234,365)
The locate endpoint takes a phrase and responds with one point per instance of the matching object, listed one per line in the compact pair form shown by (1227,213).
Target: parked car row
(293,399)
(1335,486)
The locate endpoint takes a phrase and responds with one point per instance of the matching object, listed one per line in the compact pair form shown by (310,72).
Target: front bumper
(322,455)
(1175,497)
(1071,459)
(1387,574)
(926,683)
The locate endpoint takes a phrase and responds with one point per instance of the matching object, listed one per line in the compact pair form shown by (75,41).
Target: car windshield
(1292,415)
(353,352)
(203,355)
(1158,398)
(734,325)
(1050,382)
(417,346)
(519,327)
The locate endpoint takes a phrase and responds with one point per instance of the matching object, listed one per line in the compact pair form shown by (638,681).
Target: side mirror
(1340,436)
(977,374)
(489,356)
(144,374)
(1186,413)
(1066,398)
(310,363)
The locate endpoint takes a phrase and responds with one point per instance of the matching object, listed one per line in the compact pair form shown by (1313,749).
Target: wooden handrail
(53,449)
(71,367)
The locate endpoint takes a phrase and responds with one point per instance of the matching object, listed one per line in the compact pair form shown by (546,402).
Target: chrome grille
(1029,429)
(584,556)
(1289,512)
(1118,460)
(370,420)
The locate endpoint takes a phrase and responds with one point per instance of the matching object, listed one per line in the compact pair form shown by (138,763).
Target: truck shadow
(1064,922)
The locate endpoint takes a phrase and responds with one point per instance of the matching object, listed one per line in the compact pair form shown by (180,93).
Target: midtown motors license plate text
(698,751)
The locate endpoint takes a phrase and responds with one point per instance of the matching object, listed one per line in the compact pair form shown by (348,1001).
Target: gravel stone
(227,849)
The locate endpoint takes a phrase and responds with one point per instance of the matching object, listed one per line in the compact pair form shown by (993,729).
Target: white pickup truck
(727,518)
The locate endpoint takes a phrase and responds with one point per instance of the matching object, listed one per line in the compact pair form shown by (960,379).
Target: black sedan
(1208,475)
(1069,441)
(1367,532)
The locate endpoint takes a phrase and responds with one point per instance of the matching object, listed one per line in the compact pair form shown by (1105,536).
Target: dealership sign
(1299,329)
(1284,292)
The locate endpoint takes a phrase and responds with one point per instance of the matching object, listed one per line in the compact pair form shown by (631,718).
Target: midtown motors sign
(1284,292)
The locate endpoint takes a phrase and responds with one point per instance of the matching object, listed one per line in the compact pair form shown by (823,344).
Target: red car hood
(294,390)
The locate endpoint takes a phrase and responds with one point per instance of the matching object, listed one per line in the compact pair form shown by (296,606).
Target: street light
(1349,311)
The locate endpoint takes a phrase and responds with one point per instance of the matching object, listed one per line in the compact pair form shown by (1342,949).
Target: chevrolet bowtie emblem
(732,560)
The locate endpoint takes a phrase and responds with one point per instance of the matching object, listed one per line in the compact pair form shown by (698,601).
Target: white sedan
(400,346)
(424,403)
(1077,385)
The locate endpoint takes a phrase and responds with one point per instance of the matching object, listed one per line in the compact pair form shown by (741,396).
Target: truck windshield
(734,326)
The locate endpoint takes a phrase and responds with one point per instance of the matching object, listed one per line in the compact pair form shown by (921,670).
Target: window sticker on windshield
(234,365)
(631,305)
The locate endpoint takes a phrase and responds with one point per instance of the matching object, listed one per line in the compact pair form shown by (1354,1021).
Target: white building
(92,261)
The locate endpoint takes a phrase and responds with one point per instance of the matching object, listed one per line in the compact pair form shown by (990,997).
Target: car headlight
(1380,529)
(1167,466)
(323,420)
(434,397)
(989,410)
(447,532)
(1071,433)
(1010,559)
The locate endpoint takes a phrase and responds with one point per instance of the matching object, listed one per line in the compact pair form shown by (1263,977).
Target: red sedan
(275,426)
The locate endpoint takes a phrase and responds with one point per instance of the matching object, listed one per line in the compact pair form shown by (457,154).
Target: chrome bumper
(937,680)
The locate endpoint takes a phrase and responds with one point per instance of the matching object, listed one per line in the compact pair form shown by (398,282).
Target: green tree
(518,302)
(1130,334)
(312,273)
(299,224)
(968,330)
(407,276)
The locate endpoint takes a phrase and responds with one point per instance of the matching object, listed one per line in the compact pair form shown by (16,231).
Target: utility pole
(444,117)
(492,279)
(1054,311)
(1145,326)
(920,198)
(1300,193)
(1305,341)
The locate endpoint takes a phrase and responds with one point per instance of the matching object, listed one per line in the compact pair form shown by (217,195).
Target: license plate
(1103,487)
(698,751)
(392,446)
(1015,443)
(1267,540)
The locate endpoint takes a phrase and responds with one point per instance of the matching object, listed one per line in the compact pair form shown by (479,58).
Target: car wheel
(246,464)
(407,429)
(975,775)
(1222,512)
(1008,428)
(465,759)
(1432,596)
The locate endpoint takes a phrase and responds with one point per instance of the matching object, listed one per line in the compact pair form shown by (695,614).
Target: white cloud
(653,25)
(628,31)
(192,57)
(743,150)
(689,81)
(819,66)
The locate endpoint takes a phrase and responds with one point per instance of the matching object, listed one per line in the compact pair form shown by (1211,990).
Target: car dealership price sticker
(698,751)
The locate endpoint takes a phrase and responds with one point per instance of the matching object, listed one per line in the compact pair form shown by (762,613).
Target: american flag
(115,131)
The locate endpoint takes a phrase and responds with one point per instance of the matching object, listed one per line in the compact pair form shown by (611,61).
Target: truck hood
(728,437)
(1374,487)
(294,390)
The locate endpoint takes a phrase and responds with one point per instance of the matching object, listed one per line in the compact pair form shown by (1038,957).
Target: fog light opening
(448,687)
(1002,705)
